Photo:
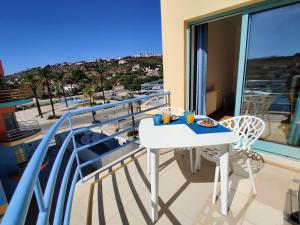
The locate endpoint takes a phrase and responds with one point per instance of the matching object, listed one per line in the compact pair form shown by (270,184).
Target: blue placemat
(198,129)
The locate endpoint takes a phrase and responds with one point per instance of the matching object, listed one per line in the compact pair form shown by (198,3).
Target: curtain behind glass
(201,68)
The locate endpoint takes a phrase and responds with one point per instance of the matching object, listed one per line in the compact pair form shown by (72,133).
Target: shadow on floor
(181,158)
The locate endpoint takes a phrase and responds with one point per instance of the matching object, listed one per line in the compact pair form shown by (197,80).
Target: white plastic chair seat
(212,154)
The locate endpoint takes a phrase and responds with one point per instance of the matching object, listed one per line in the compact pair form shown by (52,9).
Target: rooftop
(121,194)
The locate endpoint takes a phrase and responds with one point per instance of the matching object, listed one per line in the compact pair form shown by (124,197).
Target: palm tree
(46,75)
(33,82)
(88,93)
(100,77)
(56,83)
(79,77)
(61,83)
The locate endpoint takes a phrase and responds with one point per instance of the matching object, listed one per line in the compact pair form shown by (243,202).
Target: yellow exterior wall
(175,16)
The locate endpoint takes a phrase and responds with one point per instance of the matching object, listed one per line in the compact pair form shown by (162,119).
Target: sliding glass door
(268,80)
(271,76)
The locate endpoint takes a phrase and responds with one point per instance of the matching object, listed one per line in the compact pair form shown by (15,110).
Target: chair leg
(217,171)
(251,176)
(191,160)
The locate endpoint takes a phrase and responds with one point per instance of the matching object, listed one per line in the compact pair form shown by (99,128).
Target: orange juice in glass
(190,118)
(166,118)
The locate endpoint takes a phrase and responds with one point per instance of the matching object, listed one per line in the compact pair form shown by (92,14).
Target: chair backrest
(172,111)
(249,128)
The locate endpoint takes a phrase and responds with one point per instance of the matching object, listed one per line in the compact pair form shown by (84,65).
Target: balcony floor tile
(123,196)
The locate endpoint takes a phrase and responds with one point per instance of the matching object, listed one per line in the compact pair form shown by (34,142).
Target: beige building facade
(176,14)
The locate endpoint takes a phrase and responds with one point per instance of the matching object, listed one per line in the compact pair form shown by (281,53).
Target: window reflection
(272,78)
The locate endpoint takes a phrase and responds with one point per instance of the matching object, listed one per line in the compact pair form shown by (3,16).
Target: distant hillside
(145,65)
(273,74)
(97,75)
(269,68)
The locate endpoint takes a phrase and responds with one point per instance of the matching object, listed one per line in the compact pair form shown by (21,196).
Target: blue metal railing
(30,183)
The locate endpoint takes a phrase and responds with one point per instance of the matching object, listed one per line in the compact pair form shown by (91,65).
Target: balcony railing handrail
(29,183)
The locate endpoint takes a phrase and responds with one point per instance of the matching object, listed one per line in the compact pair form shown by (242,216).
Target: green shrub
(51,117)
(132,133)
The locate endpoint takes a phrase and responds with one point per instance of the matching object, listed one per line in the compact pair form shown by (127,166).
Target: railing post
(132,117)
(39,196)
(75,148)
(116,112)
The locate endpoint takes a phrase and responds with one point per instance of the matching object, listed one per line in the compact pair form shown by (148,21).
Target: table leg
(148,161)
(198,158)
(191,160)
(224,160)
(154,160)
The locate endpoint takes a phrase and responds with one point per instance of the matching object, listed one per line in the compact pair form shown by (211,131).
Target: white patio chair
(166,110)
(249,128)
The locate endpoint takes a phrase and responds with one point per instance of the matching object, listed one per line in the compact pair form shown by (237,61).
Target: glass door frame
(260,145)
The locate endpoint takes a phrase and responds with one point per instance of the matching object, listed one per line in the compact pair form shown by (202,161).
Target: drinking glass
(166,118)
(185,115)
(157,119)
(190,118)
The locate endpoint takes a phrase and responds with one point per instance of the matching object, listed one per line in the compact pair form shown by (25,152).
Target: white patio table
(177,136)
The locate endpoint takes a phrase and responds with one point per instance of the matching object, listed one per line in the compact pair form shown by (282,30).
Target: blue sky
(275,32)
(36,33)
